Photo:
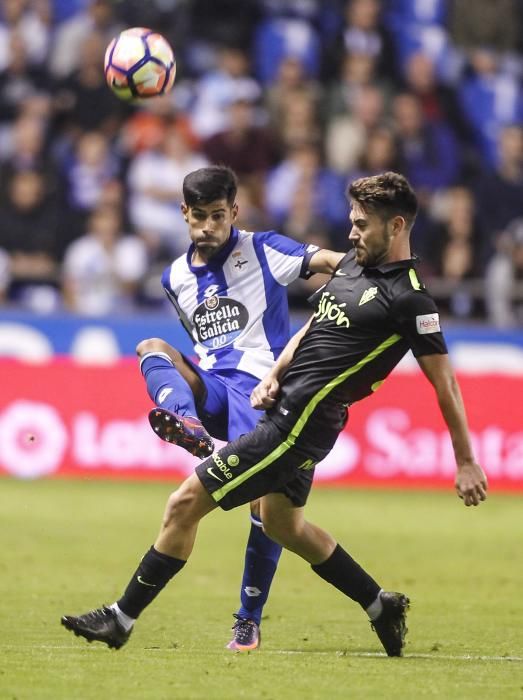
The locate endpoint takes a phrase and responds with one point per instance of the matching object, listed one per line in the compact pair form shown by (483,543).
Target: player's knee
(181,507)
(255,509)
(148,345)
(284,532)
(152,345)
(272,532)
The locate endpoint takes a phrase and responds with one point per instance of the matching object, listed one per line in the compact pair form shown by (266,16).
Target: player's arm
(325,261)
(471,482)
(265,393)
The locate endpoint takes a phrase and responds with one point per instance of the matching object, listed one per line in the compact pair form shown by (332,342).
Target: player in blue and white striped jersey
(229,292)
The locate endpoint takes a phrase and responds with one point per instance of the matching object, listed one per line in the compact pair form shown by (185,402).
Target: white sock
(163,355)
(255,520)
(375,609)
(124,620)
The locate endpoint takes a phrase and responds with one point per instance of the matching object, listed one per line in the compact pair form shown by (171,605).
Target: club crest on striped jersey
(218,321)
(239,261)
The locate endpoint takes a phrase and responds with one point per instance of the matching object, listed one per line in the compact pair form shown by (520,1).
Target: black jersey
(366,319)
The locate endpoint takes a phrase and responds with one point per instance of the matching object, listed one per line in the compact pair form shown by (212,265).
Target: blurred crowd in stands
(299,97)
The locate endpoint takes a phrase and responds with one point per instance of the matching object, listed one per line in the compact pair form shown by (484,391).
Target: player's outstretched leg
(185,431)
(387,611)
(174,419)
(261,560)
(113,625)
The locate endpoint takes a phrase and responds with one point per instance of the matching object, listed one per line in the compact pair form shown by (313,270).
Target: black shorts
(257,463)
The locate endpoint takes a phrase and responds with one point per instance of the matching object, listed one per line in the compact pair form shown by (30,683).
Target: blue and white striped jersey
(235,307)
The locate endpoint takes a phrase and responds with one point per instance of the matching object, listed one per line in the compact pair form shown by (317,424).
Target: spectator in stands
(251,214)
(380,154)
(290,80)
(308,11)
(429,151)
(357,70)
(346,134)
(499,189)
(248,149)
(216,89)
(214,23)
(19,80)
(454,251)
(300,120)
(99,18)
(65,9)
(438,101)
(30,21)
(303,168)
(406,12)
(303,224)
(278,37)
(490,99)
(421,26)
(25,148)
(83,100)
(362,33)
(91,168)
(146,126)
(171,18)
(504,272)
(154,180)
(496,25)
(26,143)
(103,269)
(30,235)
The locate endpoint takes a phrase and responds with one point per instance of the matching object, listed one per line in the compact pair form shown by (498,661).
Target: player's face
(209,226)
(371,237)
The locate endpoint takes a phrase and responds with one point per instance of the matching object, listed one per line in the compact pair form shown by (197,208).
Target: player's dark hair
(387,194)
(207,185)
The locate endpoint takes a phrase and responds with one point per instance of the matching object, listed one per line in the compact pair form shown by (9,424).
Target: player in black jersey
(372,311)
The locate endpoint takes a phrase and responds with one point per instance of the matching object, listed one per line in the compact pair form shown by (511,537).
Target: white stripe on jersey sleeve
(284,268)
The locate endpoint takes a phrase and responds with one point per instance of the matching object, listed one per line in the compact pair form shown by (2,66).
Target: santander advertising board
(65,419)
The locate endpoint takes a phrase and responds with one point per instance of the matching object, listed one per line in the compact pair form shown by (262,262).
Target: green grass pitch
(68,546)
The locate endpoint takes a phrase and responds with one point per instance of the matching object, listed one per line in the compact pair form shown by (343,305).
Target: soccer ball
(139,63)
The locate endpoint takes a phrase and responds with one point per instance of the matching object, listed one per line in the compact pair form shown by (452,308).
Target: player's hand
(264,395)
(471,484)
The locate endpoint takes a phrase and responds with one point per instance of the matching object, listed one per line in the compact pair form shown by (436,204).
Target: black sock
(155,572)
(347,576)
